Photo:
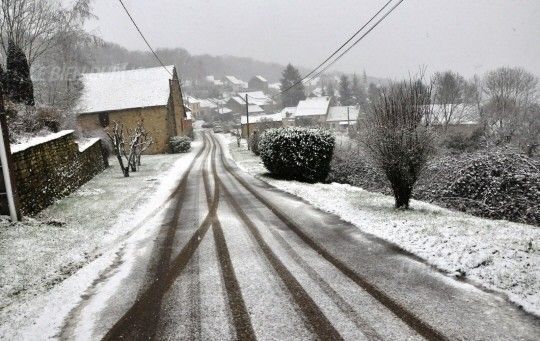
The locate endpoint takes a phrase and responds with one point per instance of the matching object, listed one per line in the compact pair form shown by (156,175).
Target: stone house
(258,83)
(341,117)
(312,111)
(149,95)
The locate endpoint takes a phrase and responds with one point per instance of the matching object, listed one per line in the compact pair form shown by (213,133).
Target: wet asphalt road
(237,259)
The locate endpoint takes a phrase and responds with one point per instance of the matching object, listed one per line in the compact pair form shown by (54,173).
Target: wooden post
(247,122)
(7,164)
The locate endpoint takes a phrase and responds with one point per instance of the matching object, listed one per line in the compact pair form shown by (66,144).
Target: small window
(104,119)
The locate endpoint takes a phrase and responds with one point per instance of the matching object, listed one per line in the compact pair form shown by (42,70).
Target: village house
(455,118)
(258,83)
(259,98)
(149,95)
(312,111)
(342,117)
(260,122)
(234,84)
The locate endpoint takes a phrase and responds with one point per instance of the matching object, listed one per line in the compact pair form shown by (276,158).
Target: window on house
(104,119)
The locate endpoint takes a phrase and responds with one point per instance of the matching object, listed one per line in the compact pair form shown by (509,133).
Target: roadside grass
(40,252)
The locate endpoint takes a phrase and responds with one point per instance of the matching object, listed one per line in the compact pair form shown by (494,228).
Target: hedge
(297,153)
(180,144)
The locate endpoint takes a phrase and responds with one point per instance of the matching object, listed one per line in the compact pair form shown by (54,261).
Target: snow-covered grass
(499,255)
(41,252)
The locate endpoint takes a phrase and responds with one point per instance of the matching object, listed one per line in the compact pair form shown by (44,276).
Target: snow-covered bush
(488,184)
(353,167)
(254,143)
(297,153)
(180,144)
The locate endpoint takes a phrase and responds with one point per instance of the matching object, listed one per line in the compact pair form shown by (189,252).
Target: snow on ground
(499,255)
(59,252)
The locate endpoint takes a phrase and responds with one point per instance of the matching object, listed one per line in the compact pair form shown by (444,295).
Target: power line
(146,41)
(343,45)
(359,39)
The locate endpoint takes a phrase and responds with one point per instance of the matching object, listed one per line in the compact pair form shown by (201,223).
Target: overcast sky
(469,36)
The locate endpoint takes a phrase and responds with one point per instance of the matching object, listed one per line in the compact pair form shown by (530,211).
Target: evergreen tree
(358,91)
(345,95)
(19,86)
(291,97)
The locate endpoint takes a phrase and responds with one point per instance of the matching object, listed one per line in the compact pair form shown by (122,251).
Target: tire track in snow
(421,327)
(140,321)
(316,320)
(240,315)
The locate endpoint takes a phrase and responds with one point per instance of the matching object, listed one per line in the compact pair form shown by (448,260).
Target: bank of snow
(499,255)
(65,247)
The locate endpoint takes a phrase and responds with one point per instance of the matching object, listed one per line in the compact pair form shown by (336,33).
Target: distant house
(312,111)
(258,83)
(260,122)
(149,95)
(234,84)
(341,117)
(194,105)
(259,98)
(455,118)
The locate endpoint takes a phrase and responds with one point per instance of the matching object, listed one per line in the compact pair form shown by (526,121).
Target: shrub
(254,143)
(488,184)
(353,167)
(461,142)
(180,144)
(297,153)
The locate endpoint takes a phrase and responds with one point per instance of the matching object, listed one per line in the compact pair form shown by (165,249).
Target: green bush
(180,144)
(254,143)
(297,153)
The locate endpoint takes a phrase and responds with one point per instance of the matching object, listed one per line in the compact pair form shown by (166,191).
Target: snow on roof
(234,80)
(125,89)
(256,97)
(339,114)
(460,114)
(19,147)
(261,78)
(276,86)
(224,110)
(314,106)
(206,103)
(260,118)
(288,111)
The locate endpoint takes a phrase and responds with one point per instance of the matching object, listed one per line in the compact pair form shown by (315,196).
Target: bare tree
(509,95)
(144,141)
(30,24)
(117,138)
(449,92)
(397,135)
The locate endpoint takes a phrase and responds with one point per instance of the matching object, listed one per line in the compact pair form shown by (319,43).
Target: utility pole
(7,164)
(247,122)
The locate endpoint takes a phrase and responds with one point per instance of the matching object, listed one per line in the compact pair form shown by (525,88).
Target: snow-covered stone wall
(53,167)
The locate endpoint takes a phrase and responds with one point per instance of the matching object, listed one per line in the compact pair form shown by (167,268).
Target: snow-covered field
(79,236)
(496,254)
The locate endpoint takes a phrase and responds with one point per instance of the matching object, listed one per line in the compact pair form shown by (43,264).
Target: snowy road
(237,259)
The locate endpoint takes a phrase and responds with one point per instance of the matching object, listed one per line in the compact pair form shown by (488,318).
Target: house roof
(314,106)
(256,97)
(261,78)
(461,114)
(288,111)
(234,80)
(259,118)
(339,114)
(119,90)
(276,86)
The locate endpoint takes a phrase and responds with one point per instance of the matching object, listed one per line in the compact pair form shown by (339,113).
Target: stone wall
(52,168)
